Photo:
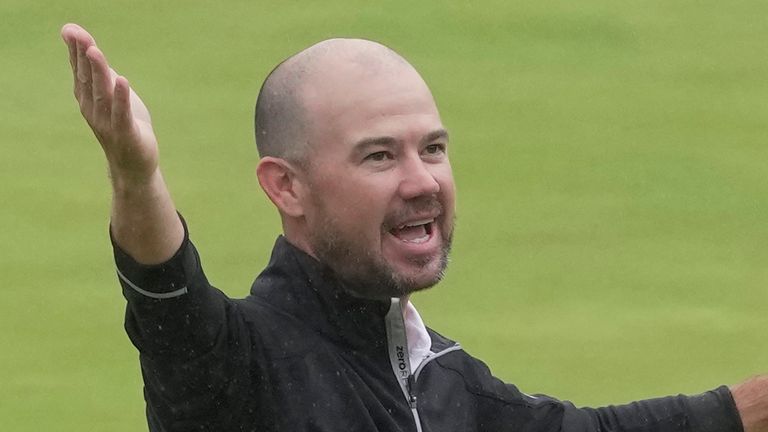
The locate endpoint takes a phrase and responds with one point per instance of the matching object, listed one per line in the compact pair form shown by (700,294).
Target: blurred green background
(610,157)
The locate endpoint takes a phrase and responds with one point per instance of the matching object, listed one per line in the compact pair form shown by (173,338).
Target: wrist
(128,182)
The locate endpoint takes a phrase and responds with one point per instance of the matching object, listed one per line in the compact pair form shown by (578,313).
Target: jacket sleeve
(713,411)
(502,406)
(194,349)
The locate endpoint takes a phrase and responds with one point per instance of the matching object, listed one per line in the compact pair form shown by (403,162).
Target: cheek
(354,204)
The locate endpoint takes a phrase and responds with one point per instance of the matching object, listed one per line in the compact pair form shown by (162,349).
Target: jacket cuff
(164,280)
(715,411)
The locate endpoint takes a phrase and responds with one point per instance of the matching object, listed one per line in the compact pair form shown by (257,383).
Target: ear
(278,178)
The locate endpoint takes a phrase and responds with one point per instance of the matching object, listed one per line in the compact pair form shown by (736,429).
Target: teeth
(416,223)
(418,240)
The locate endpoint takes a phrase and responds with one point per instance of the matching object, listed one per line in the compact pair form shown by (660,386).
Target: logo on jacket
(400,352)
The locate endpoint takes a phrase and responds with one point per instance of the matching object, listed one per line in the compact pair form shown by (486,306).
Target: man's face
(380,206)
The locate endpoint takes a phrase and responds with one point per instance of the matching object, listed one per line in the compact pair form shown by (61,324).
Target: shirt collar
(298,284)
(419,342)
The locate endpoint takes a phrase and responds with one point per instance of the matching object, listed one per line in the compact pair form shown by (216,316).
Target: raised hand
(117,116)
(144,222)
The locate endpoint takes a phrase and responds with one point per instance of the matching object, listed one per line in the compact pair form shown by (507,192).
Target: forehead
(349,103)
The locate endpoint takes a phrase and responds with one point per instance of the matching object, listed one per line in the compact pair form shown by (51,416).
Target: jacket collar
(299,285)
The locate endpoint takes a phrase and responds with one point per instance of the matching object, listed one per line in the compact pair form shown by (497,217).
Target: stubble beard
(365,273)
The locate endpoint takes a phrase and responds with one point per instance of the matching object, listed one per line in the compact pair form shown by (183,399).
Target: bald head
(283,118)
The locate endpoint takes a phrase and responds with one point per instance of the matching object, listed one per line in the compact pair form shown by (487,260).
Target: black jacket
(299,354)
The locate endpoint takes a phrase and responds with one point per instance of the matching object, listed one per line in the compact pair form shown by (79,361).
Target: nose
(417,180)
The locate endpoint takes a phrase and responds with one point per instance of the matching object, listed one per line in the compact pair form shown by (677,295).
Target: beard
(363,271)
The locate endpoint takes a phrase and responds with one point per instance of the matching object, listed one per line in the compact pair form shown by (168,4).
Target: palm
(135,151)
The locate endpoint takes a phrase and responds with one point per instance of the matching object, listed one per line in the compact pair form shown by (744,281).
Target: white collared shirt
(419,342)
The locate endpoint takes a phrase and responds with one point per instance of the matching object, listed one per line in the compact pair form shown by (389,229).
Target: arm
(194,352)
(144,222)
(743,407)
(712,411)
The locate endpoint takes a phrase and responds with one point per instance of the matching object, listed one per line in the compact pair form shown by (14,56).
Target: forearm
(713,411)
(144,222)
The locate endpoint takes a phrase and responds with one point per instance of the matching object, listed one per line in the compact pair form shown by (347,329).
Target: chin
(376,276)
(425,277)
(393,283)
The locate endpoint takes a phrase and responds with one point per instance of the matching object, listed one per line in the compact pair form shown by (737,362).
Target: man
(355,158)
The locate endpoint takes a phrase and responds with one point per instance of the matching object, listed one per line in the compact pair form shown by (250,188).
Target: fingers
(75,36)
(78,42)
(71,47)
(83,41)
(104,99)
(121,104)
(68,35)
(101,83)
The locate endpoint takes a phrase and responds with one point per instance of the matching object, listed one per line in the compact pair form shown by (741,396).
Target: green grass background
(610,160)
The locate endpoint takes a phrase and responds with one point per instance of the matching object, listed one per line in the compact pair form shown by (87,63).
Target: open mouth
(414,232)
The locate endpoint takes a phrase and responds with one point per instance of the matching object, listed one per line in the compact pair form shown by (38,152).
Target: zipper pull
(411,389)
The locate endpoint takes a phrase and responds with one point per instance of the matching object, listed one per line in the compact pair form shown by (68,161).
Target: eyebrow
(435,135)
(389,141)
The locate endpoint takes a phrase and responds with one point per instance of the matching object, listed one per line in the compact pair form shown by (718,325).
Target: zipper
(397,342)
(411,390)
(433,355)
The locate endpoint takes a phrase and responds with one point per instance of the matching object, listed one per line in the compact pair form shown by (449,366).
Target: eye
(379,156)
(434,149)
